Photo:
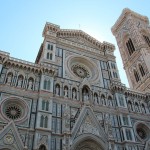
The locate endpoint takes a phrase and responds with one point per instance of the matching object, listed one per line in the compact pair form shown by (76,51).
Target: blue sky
(22,22)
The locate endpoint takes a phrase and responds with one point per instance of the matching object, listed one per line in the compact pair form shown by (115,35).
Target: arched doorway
(89,142)
(88,145)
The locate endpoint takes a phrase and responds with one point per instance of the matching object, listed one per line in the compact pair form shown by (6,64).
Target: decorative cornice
(125,13)
(26,65)
(134,93)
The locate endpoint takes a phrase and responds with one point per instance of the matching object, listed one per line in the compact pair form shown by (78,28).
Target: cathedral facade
(72,97)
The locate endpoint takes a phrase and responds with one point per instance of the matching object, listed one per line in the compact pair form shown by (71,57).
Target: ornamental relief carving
(88,127)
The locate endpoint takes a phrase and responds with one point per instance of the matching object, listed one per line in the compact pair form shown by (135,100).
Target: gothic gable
(88,124)
(81,41)
(10,138)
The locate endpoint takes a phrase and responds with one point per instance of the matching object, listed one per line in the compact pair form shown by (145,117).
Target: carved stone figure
(19,82)
(66,92)
(57,90)
(95,99)
(9,79)
(30,85)
(85,96)
(74,94)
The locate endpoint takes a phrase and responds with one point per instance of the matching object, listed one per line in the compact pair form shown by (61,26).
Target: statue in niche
(74,94)
(9,78)
(20,80)
(66,116)
(95,99)
(129,106)
(30,84)
(85,95)
(57,90)
(66,92)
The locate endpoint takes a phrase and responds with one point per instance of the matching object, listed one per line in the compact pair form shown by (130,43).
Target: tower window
(47,84)
(51,56)
(142,70)
(130,46)
(147,40)
(136,75)
(50,47)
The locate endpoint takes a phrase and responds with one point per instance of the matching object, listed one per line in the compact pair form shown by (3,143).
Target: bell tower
(132,32)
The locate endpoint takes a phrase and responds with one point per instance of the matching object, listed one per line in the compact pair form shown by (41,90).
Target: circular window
(80,67)
(142,131)
(80,71)
(14,109)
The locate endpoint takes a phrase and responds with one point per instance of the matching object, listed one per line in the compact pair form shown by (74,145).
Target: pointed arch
(42,147)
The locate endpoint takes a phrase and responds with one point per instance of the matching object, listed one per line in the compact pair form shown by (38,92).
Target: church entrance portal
(88,145)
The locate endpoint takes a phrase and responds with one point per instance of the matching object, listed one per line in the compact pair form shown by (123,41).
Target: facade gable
(87,124)
(10,138)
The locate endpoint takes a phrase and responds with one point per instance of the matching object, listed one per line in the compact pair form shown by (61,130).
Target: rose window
(80,71)
(141,133)
(14,108)
(13,112)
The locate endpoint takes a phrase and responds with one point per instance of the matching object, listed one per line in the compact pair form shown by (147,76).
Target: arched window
(43,104)
(47,56)
(142,70)
(46,122)
(130,46)
(147,40)
(42,147)
(136,75)
(42,121)
(47,106)
(51,56)
(47,84)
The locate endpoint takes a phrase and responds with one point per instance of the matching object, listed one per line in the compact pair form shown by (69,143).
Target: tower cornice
(125,14)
